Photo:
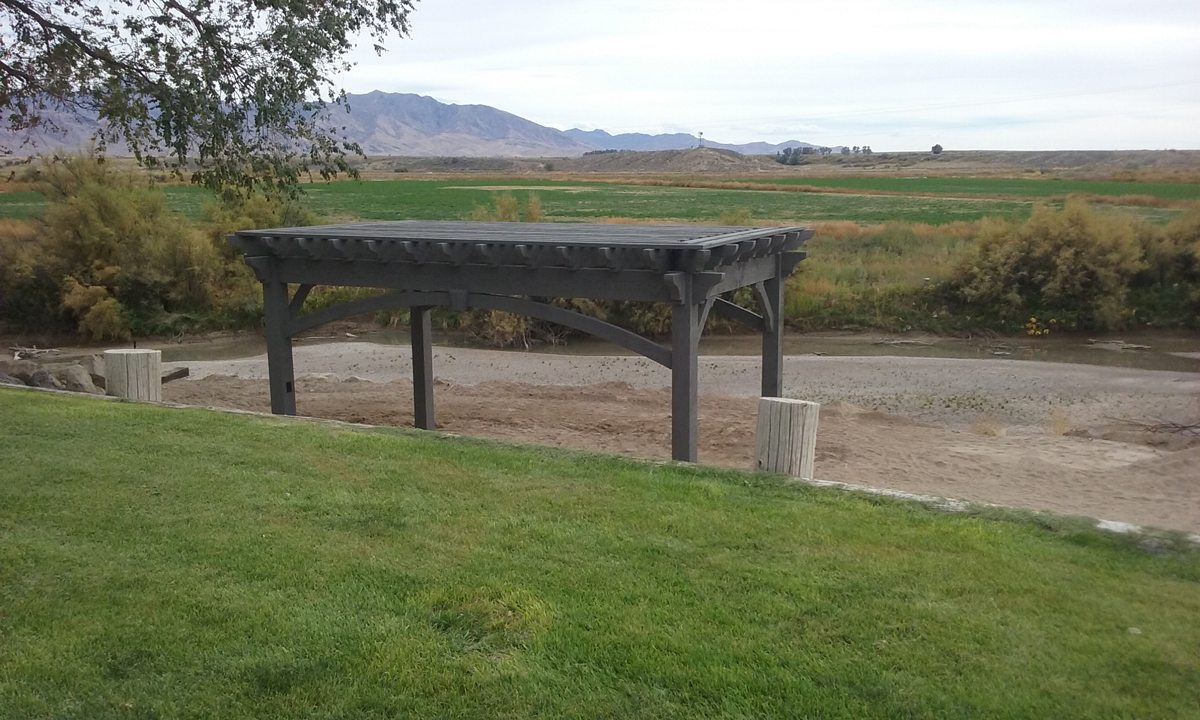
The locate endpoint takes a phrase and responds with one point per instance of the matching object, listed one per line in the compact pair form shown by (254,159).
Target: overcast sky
(892,74)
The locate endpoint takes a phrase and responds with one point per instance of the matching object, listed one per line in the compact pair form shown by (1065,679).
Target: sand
(1036,435)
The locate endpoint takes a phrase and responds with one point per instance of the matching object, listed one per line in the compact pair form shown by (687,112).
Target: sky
(892,74)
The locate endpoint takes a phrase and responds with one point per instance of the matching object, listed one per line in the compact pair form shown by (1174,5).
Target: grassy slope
(165,563)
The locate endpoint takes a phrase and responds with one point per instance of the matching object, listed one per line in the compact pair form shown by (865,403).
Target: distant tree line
(793,156)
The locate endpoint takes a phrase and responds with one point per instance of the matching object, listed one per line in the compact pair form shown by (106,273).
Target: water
(1167,351)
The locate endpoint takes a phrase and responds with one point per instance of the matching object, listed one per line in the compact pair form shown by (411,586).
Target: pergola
(511,267)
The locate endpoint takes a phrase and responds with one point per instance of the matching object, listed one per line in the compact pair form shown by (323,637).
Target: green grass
(168,563)
(582,201)
(587,201)
(21,203)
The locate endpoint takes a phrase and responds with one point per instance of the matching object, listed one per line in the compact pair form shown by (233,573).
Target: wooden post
(772,339)
(281,373)
(421,333)
(787,436)
(685,338)
(133,374)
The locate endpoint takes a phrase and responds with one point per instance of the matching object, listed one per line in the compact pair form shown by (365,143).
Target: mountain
(415,125)
(407,124)
(601,140)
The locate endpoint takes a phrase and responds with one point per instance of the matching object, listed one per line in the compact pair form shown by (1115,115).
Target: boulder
(10,380)
(77,379)
(94,364)
(22,370)
(41,378)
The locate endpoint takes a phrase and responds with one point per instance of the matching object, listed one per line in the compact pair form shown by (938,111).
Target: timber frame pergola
(512,267)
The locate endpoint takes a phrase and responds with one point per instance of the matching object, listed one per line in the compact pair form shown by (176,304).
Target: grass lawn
(167,563)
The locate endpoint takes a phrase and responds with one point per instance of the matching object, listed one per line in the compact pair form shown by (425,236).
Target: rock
(42,378)
(10,380)
(22,370)
(77,379)
(94,364)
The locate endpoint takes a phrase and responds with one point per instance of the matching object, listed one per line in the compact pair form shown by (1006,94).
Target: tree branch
(76,39)
(10,70)
(200,25)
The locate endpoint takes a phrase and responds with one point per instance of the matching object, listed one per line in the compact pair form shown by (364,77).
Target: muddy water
(1162,351)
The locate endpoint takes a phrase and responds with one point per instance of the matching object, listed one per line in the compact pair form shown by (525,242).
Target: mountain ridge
(408,124)
(602,140)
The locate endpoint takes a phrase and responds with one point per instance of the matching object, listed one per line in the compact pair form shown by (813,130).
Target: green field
(185,563)
(21,203)
(997,187)
(583,201)
(576,201)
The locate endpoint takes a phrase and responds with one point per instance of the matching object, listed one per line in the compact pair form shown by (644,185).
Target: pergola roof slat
(573,245)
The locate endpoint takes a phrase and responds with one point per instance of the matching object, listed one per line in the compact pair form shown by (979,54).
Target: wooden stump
(787,436)
(133,374)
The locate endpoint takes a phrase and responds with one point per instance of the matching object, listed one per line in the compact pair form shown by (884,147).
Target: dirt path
(984,430)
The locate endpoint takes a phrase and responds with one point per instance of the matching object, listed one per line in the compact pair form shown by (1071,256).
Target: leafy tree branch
(231,93)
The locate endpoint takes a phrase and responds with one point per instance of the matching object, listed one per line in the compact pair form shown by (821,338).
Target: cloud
(891,74)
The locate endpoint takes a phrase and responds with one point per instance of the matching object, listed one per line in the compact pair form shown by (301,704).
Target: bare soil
(1043,436)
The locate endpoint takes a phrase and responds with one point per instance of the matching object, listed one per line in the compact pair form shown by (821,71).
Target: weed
(1058,422)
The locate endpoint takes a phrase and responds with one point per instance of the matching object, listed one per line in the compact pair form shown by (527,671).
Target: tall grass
(876,276)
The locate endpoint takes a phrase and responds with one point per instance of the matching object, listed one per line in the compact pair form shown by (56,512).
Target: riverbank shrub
(1166,293)
(239,302)
(110,259)
(1073,264)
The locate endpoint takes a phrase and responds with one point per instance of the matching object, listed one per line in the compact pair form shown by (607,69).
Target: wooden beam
(737,313)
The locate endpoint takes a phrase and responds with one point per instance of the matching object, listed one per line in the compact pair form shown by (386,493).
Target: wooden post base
(133,374)
(786,441)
